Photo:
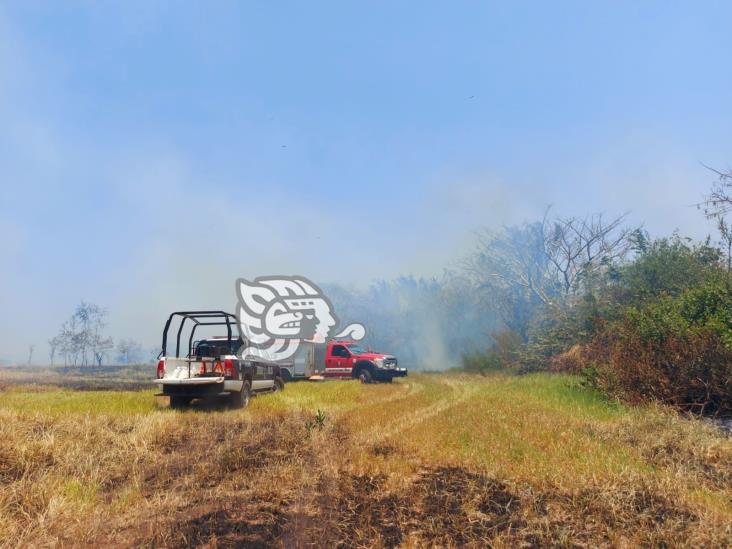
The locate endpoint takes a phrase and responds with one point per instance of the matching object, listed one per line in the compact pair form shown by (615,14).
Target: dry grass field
(431,460)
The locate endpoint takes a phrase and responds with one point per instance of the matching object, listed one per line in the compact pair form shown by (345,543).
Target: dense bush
(676,349)
(666,266)
(481,362)
(659,327)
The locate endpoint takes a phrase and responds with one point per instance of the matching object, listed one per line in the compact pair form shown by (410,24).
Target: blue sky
(151,153)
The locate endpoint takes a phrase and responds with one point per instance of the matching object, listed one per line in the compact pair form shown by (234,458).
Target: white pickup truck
(211,368)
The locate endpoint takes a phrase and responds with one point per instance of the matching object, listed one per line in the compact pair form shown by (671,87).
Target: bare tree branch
(718,202)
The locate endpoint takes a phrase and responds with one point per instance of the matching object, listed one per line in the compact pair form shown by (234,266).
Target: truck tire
(241,399)
(364,376)
(178,402)
(279,385)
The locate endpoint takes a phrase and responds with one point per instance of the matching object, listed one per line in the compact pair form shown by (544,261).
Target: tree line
(635,317)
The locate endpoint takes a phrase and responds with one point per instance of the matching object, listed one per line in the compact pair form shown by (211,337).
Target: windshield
(357,349)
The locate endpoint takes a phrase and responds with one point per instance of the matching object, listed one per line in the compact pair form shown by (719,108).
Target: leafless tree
(68,336)
(31,348)
(718,202)
(100,347)
(128,350)
(514,256)
(53,345)
(510,269)
(81,338)
(543,264)
(580,248)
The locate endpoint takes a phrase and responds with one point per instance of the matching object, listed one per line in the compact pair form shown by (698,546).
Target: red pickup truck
(342,359)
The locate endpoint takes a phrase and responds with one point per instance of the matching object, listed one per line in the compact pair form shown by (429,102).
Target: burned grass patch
(384,450)
(621,516)
(444,506)
(252,522)
(464,507)
(454,507)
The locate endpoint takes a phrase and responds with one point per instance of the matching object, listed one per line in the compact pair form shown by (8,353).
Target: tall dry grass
(431,460)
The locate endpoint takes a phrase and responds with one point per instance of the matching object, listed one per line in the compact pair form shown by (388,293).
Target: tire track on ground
(459,392)
(406,390)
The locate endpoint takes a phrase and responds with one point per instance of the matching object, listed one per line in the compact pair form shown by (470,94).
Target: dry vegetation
(431,460)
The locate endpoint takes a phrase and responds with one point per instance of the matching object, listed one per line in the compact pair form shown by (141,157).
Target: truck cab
(347,359)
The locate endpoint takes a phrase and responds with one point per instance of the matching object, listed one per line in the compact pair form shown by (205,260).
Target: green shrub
(505,354)
(481,362)
(676,349)
(659,328)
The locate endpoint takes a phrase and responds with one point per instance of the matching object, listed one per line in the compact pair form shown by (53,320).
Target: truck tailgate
(181,371)
(191,381)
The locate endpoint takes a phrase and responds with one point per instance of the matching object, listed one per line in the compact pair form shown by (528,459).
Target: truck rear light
(161,368)
(229,370)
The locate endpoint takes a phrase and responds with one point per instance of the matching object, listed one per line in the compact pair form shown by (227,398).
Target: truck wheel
(179,401)
(279,385)
(364,376)
(241,399)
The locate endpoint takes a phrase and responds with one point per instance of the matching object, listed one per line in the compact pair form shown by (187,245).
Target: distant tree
(70,341)
(100,347)
(152,354)
(31,348)
(128,350)
(80,339)
(53,345)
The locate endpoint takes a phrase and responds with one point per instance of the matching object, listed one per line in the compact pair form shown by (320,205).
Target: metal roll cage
(225,319)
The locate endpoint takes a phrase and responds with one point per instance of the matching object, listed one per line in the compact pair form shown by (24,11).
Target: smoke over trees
(509,270)
(521,270)
(513,278)
(427,322)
